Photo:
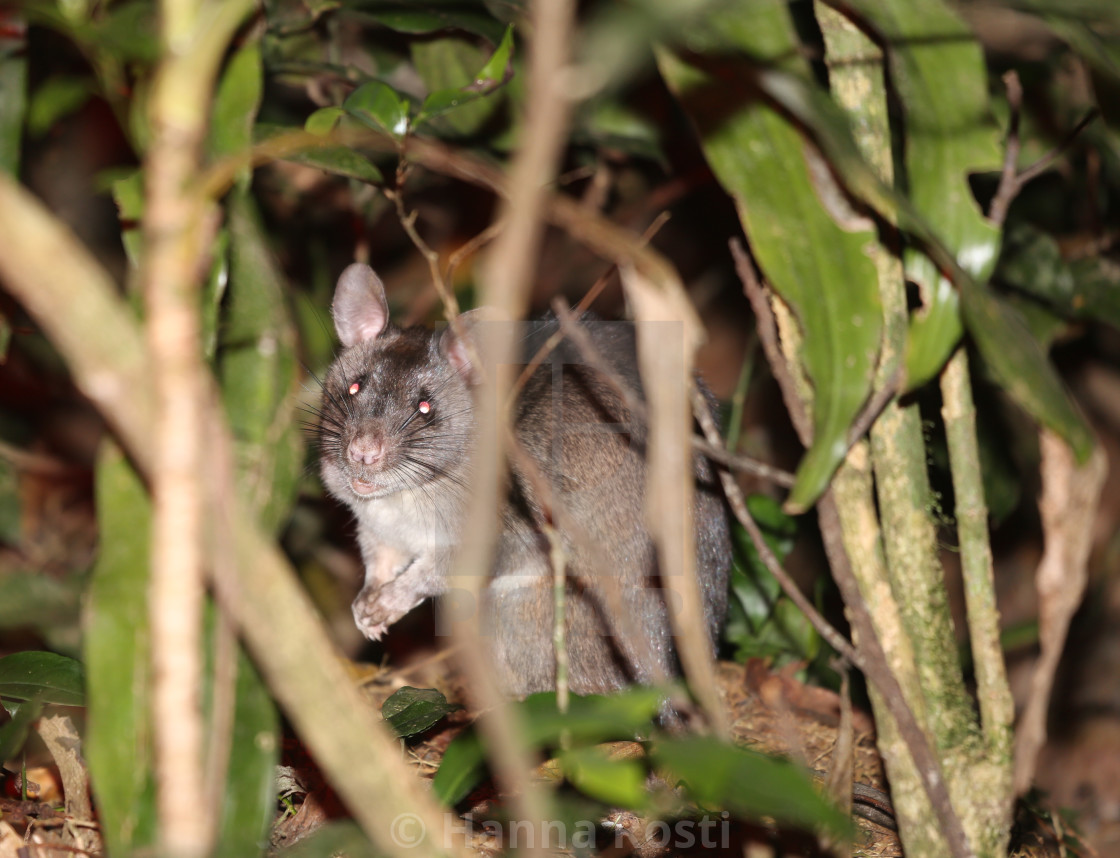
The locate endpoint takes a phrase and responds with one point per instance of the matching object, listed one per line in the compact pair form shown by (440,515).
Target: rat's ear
(359,308)
(457,350)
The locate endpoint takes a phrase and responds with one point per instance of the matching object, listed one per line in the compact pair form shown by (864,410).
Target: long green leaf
(588,720)
(257,369)
(1001,335)
(117,641)
(818,266)
(236,102)
(461,82)
(748,784)
(249,799)
(939,75)
(43,676)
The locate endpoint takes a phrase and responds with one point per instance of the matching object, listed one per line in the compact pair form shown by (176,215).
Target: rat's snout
(366,449)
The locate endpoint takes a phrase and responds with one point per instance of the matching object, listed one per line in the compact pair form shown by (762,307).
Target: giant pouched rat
(396,432)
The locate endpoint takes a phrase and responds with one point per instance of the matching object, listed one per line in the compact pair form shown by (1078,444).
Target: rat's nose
(366,450)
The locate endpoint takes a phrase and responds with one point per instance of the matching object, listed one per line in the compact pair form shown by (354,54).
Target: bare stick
(552,342)
(739,507)
(408,222)
(1068,505)
(1008,181)
(877,669)
(1011,179)
(717,453)
(174,240)
(510,267)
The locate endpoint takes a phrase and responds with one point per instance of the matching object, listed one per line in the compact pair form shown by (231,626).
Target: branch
(1012,180)
(511,264)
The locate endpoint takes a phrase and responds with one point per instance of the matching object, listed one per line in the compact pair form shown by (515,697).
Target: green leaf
(497,69)
(249,798)
(128,194)
(117,656)
(420,17)
(257,369)
(938,71)
(1020,366)
(323,120)
(1001,336)
(607,124)
(332,159)
(378,106)
(43,676)
(589,719)
(13,735)
(409,711)
(1083,289)
(819,266)
(56,98)
(13,94)
(618,783)
(460,770)
(128,33)
(447,67)
(746,783)
(235,107)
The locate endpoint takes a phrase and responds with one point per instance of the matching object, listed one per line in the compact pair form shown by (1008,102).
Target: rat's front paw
(378,608)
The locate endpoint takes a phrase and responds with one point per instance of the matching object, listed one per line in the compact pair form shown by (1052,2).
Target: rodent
(396,434)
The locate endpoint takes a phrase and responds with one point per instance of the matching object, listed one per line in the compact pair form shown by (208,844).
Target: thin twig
(768,338)
(1011,179)
(1043,163)
(1009,184)
(552,342)
(471,247)
(511,263)
(879,400)
(634,403)
(35,463)
(408,222)
(739,507)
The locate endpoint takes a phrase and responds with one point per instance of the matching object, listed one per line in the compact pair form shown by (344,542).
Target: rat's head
(397,413)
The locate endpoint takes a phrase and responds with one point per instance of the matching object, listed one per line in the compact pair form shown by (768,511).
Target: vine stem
(194,36)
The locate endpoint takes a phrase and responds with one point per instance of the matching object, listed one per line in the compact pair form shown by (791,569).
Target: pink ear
(359,307)
(455,348)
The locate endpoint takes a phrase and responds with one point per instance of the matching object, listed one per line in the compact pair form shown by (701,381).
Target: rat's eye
(424,407)
(354,388)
